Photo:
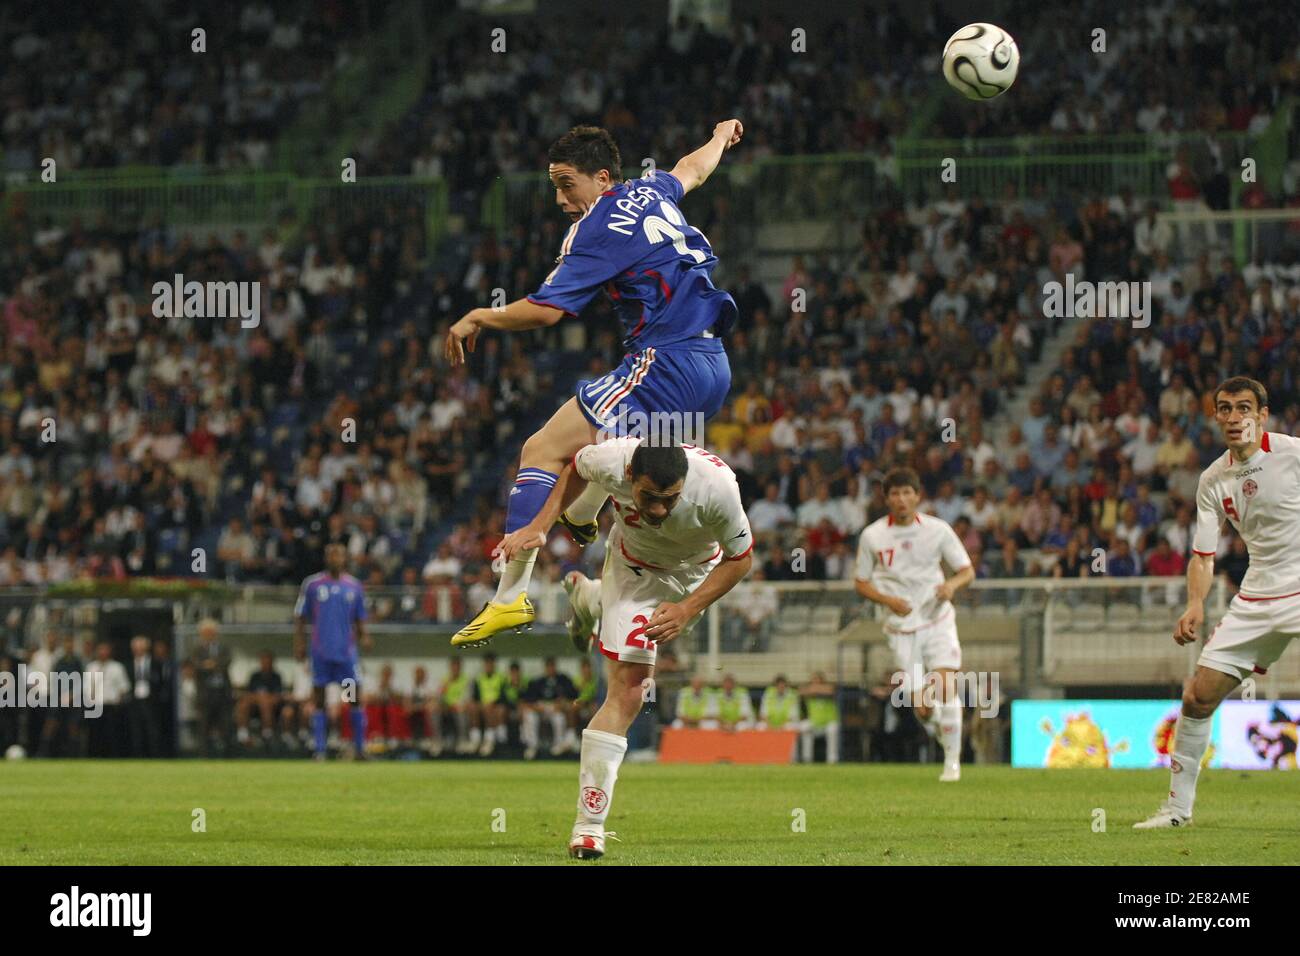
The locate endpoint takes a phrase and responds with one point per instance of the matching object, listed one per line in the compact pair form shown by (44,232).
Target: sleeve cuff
(737,557)
(550,305)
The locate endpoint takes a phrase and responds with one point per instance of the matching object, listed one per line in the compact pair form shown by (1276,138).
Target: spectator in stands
(1121,562)
(550,695)
(418,701)
(109,687)
(298,705)
(1173,451)
(695,705)
(1163,561)
(980,511)
(819,698)
(779,708)
(385,701)
(211,662)
(489,711)
(753,605)
(187,707)
(732,707)
(454,700)
(1179,529)
(263,694)
(142,715)
(770,513)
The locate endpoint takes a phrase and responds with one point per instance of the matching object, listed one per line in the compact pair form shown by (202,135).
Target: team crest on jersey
(594,799)
(907,546)
(1249,488)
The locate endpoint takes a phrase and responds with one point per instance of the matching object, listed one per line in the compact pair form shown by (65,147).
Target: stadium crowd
(171,434)
(1138,71)
(116,87)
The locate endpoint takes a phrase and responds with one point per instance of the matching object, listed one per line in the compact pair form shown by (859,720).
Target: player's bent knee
(1202,695)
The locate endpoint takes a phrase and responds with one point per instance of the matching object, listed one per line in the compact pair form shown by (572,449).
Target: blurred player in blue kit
(333,602)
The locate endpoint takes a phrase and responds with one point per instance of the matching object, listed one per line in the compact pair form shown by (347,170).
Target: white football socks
(1190,741)
(587,505)
(514,579)
(602,753)
(949,714)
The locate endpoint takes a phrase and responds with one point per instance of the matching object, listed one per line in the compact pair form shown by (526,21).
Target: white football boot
(588,841)
(1164,819)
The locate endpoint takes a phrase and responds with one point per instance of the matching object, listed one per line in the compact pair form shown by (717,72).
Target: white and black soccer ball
(15,752)
(980,61)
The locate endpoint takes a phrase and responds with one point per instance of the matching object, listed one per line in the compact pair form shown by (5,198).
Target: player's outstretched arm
(1200,573)
(693,169)
(519,316)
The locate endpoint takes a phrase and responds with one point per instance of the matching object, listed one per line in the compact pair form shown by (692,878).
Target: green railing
(840,189)
(835,190)
(251,201)
(997,168)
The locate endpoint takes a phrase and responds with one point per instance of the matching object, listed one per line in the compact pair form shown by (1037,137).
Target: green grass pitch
(272,812)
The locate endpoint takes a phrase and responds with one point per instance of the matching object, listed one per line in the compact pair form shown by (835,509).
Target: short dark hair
(588,149)
(902,478)
(664,465)
(1242,383)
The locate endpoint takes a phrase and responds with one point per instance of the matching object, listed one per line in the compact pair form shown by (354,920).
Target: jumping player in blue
(333,602)
(630,240)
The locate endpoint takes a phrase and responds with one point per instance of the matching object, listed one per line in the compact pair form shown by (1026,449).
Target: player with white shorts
(900,558)
(680,541)
(1255,486)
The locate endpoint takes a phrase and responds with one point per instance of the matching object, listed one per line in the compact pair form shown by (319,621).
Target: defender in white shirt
(900,566)
(680,541)
(1255,485)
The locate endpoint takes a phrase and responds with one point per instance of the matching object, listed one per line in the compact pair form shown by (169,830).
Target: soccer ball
(15,752)
(980,61)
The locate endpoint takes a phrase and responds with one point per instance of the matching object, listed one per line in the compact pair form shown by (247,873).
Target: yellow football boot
(494,618)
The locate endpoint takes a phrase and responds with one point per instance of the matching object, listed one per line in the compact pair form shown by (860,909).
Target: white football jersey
(707,523)
(904,561)
(1261,497)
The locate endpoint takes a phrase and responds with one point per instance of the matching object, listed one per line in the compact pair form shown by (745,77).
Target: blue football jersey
(332,605)
(634,243)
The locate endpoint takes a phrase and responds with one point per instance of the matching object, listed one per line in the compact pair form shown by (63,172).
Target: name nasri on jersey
(633,204)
